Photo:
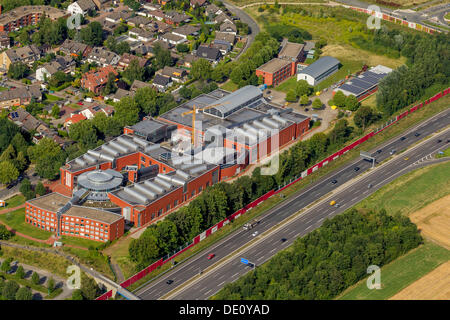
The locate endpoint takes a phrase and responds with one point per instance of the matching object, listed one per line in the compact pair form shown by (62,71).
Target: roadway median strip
(290,219)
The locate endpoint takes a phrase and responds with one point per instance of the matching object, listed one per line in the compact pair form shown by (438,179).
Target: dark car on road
(356,168)
(169,281)
(402,138)
(379,151)
(439,141)
(283,239)
(334,181)
(417,134)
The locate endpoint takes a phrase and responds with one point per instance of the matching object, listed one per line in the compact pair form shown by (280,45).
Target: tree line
(328,260)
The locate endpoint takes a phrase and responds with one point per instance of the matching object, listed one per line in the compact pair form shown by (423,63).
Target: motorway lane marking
(309,227)
(208,291)
(354,199)
(273,250)
(234,275)
(220,284)
(260,258)
(321,220)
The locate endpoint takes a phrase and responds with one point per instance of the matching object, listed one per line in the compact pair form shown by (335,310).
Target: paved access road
(212,282)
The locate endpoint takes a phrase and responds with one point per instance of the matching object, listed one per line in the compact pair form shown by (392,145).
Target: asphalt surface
(409,15)
(211,282)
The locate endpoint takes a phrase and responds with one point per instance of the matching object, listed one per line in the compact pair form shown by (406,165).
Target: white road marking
(354,199)
(260,258)
(234,275)
(220,284)
(309,228)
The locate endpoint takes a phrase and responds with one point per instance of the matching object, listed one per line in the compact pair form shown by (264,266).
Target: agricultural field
(401,273)
(434,221)
(433,286)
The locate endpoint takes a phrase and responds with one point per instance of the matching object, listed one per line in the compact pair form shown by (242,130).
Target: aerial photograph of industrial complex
(224,154)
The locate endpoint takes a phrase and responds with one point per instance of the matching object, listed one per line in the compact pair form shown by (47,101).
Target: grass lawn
(287,85)
(16,220)
(371,101)
(13,202)
(119,254)
(400,273)
(229,86)
(92,259)
(85,243)
(412,191)
(52,98)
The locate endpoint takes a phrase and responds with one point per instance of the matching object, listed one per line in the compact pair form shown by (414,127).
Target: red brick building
(276,70)
(52,213)
(95,80)
(27,15)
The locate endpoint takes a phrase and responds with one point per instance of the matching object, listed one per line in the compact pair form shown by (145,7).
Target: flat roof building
(276,70)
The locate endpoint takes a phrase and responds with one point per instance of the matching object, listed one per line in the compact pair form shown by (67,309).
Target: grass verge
(14,201)
(16,220)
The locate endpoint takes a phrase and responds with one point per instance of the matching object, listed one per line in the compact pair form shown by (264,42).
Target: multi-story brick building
(55,213)
(276,70)
(27,15)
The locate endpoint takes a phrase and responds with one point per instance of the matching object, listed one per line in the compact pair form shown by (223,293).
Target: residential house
(65,64)
(177,74)
(5,40)
(228,27)
(90,112)
(102,4)
(107,26)
(26,121)
(151,6)
(186,30)
(120,93)
(172,38)
(224,41)
(212,10)
(126,59)
(74,119)
(209,53)
(162,82)
(189,59)
(117,17)
(141,34)
(198,3)
(81,7)
(222,18)
(157,14)
(138,21)
(103,57)
(20,96)
(75,48)
(26,55)
(137,84)
(175,18)
(95,80)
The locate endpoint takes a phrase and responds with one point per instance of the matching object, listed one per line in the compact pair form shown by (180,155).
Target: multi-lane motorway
(347,191)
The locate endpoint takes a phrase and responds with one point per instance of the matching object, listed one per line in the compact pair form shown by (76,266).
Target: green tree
(35,279)
(339,99)
(127,111)
(85,133)
(304,100)
(351,103)
(162,57)
(8,172)
(6,265)
(20,162)
(135,72)
(291,96)
(77,295)
(4,233)
(110,86)
(10,289)
(317,104)
(92,34)
(55,111)
(20,272)
(51,285)
(182,47)
(48,156)
(89,288)
(201,69)
(9,154)
(303,88)
(40,189)
(24,293)
(364,116)
(26,190)
(18,70)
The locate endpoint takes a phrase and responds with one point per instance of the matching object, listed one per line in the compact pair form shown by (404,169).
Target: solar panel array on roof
(365,81)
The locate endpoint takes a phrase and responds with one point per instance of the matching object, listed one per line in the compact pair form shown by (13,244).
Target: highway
(354,190)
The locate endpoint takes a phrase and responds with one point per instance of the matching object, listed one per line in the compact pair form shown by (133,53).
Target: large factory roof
(320,66)
(365,81)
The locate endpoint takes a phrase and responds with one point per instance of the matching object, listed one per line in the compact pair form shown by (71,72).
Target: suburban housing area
(223,149)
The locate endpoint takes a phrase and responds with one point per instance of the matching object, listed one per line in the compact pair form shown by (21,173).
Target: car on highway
(283,239)
(417,134)
(402,138)
(406,158)
(379,151)
(369,186)
(439,141)
(392,152)
(332,203)
(169,281)
(255,233)
(334,181)
(356,168)
(211,255)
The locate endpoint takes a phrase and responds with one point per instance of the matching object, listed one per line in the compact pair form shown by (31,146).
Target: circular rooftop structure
(100,180)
